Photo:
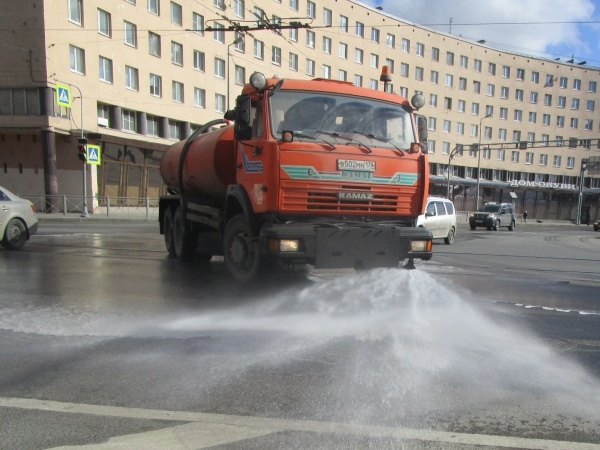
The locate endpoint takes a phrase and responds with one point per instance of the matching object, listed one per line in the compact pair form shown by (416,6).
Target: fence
(102,206)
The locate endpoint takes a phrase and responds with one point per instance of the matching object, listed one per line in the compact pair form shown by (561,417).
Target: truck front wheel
(241,250)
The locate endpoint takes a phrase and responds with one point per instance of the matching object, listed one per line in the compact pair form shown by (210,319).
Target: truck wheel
(183,240)
(168,232)
(450,238)
(241,250)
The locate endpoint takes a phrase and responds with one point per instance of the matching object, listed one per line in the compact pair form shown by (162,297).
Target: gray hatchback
(493,216)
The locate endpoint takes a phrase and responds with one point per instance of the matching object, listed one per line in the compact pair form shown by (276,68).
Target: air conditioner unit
(102,121)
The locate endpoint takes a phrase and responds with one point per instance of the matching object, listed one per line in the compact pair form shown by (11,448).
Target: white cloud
(530,39)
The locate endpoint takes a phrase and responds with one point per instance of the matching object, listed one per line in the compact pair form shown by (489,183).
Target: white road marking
(206,429)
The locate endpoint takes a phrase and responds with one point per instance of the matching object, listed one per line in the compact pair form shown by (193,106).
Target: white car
(439,218)
(18,221)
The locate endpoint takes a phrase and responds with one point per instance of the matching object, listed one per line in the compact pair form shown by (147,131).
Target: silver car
(18,221)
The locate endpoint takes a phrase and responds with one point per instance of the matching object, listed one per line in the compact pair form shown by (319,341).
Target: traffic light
(82,149)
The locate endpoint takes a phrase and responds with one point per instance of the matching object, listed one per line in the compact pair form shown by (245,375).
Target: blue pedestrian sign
(93,154)
(63,95)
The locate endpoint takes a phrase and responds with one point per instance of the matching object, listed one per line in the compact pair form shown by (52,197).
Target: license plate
(352,164)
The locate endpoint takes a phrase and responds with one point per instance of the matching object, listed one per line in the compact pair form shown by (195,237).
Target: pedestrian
(525,216)
(587,217)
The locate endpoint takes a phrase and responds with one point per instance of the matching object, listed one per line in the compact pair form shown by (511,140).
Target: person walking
(525,216)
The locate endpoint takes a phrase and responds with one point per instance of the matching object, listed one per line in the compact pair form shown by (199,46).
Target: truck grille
(299,197)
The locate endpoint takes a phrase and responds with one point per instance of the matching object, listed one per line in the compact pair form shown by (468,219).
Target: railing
(101,206)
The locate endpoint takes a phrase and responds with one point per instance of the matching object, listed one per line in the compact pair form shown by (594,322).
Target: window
(419,73)
(475,109)
(592,86)
(450,58)
(549,80)
(294,5)
(154,6)
(239,8)
(129,119)
(563,82)
(447,126)
(199,98)
(176,14)
(326,45)
(449,80)
(276,55)
(199,61)
(562,102)
(176,53)
(504,92)
(104,23)
(310,67)
(464,62)
(311,9)
(543,159)
(435,54)
(219,68)
(548,100)
(374,60)
(327,17)
(358,56)
(152,125)
(533,97)
(76,11)
(219,4)
(590,105)
(326,71)
(391,40)
(529,158)
(460,128)
(588,124)
(405,45)
(477,65)
(177,91)
(219,32)
(153,44)
(77,59)
(358,80)
(519,95)
(131,78)
(433,100)
(432,123)
(344,25)
(130,34)
(462,84)
(105,69)
(239,74)
(310,39)
(360,29)
(434,77)
(546,119)
(520,74)
(375,35)
(505,72)
(491,90)
(476,87)
(293,61)
(502,134)
(155,85)
(535,77)
(574,122)
(575,103)
(461,106)
(503,113)
(560,121)
(174,130)
(532,117)
(259,16)
(570,162)
(420,50)
(198,23)
(259,49)
(343,50)
(514,157)
(576,84)
(404,68)
(294,34)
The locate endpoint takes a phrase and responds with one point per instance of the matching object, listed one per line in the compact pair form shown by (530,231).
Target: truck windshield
(371,122)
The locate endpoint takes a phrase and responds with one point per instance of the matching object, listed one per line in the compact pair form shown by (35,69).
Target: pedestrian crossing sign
(93,154)
(63,95)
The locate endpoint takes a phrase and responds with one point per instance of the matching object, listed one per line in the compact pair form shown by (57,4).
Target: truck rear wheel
(184,240)
(241,250)
(168,231)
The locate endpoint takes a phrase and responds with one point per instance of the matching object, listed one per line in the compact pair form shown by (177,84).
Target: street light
(479,161)
(236,41)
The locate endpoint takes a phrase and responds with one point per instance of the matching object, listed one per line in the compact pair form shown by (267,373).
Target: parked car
(493,216)
(597,225)
(439,218)
(18,221)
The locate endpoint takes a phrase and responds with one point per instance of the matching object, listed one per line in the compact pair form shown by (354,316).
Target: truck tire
(168,232)
(184,240)
(241,250)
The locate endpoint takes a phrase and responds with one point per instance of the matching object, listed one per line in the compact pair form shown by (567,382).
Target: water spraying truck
(317,172)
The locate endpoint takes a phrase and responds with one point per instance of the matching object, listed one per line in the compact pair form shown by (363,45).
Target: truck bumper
(345,245)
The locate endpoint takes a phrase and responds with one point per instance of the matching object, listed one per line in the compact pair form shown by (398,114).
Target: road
(107,343)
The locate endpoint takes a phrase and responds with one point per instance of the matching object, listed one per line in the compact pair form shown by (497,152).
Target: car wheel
(473,227)
(512,226)
(496,225)
(595,227)
(15,235)
(450,238)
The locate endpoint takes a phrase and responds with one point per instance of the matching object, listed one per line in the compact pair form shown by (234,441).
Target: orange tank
(209,165)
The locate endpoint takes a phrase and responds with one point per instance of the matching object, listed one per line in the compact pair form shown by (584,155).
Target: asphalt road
(105,342)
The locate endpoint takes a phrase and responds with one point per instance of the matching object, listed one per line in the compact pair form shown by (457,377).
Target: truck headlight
(420,246)
(284,245)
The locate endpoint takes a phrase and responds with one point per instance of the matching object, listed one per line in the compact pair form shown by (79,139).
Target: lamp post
(453,153)
(479,161)
(236,41)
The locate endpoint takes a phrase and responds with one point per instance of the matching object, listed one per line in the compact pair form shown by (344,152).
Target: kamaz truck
(317,172)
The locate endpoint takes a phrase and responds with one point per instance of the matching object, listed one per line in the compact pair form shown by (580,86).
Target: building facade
(143,74)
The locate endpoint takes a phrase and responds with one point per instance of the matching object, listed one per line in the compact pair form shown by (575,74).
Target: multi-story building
(145,73)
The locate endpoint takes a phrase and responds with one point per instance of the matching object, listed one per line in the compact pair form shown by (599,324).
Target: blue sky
(545,28)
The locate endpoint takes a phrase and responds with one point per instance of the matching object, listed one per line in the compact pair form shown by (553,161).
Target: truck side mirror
(422,128)
(243,128)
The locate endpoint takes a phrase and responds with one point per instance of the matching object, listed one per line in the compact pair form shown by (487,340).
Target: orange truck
(317,172)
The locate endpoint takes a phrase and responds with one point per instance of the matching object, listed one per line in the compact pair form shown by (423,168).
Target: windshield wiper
(381,139)
(312,135)
(346,138)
